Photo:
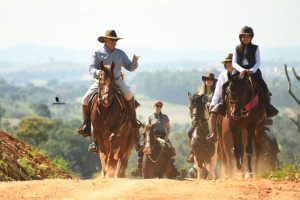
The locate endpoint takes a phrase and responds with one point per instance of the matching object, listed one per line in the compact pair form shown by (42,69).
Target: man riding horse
(109,54)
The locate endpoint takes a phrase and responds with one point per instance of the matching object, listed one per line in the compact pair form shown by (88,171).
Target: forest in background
(27,110)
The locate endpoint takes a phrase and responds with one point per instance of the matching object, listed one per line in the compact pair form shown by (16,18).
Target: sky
(154,24)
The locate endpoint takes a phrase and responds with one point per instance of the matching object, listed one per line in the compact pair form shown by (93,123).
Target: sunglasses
(113,40)
(159,106)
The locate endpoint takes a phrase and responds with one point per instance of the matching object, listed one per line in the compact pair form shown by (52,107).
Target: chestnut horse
(112,127)
(245,111)
(156,158)
(268,155)
(205,152)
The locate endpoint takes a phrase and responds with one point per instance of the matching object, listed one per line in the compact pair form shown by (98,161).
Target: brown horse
(156,158)
(205,152)
(246,111)
(111,125)
(269,150)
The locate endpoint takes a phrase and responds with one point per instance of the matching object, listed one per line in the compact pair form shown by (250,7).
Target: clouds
(190,24)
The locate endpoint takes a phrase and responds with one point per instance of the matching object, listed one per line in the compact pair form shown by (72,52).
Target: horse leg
(257,145)
(249,150)
(213,163)
(122,166)
(238,147)
(103,159)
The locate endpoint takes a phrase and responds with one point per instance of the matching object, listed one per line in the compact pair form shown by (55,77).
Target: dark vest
(250,55)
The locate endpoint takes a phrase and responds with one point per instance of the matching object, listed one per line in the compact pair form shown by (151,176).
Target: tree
(2,113)
(41,110)
(34,129)
(296,122)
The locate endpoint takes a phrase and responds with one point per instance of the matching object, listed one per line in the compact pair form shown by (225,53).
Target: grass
(24,163)
(288,172)
(3,165)
(61,164)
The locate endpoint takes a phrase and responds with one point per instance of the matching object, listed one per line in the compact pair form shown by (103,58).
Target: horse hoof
(248,175)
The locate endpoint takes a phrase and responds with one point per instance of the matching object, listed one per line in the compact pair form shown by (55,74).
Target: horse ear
(102,66)
(112,66)
(189,96)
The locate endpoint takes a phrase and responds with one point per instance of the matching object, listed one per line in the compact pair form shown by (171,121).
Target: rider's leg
(271,110)
(212,136)
(138,170)
(220,108)
(131,105)
(85,128)
(190,157)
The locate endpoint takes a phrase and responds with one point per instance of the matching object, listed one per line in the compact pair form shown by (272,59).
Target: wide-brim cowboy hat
(210,76)
(111,34)
(227,59)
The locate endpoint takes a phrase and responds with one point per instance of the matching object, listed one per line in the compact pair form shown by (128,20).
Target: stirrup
(93,148)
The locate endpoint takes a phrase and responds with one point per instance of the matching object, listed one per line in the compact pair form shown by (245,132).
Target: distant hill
(28,53)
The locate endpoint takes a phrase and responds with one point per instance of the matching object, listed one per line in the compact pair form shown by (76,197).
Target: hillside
(18,161)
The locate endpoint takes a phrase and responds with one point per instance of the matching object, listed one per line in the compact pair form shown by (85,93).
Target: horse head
(198,110)
(106,84)
(150,138)
(240,92)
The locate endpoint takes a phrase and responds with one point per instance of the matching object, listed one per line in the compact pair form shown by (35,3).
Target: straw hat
(227,59)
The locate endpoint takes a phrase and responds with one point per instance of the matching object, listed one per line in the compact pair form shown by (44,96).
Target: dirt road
(188,189)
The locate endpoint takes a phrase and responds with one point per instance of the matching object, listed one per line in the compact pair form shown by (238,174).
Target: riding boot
(131,108)
(138,170)
(212,136)
(85,128)
(190,158)
(175,170)
(220,108)
(270,109)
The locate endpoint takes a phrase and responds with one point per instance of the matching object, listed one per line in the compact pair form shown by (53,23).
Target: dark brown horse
(111,125)
(246,111)
(156,158)
(269,150)
(205,152)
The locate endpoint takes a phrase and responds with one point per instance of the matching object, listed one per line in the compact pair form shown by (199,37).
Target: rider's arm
(168,129)
(257,61)
(234,62)
(93,69)
(128,64)
(218,90)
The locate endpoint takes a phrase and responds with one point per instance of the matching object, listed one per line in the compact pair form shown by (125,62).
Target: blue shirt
(117,56)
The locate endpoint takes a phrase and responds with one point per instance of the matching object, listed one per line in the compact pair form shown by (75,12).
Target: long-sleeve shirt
(218,90)
(117,56)
(245,61)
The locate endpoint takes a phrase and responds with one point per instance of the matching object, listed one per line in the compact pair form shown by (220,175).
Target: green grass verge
(288,172)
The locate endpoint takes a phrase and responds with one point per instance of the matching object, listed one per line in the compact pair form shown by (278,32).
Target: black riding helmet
(246,30)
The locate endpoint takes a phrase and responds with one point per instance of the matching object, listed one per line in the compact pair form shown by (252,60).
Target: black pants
(190,132)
